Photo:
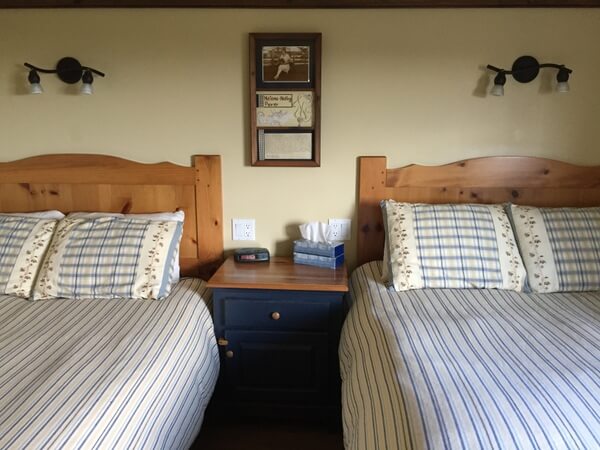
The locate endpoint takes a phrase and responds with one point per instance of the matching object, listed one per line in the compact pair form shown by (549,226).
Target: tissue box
(319,261)
(332,250)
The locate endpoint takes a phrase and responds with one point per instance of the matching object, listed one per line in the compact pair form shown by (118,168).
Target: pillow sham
(451,246)
(50,214)
(23,242)
(109,257)
(177,216)
(560,247)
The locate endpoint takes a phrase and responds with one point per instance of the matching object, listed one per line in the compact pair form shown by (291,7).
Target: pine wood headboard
(522,180)
(79,182)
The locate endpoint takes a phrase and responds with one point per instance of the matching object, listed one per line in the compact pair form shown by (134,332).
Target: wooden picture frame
(285,95)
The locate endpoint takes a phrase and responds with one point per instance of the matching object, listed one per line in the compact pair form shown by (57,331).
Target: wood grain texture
(298,3)
(109,184)
(209,211)
(520,180)
(279,273)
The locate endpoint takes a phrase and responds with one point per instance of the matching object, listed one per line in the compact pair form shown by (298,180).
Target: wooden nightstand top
(279,273)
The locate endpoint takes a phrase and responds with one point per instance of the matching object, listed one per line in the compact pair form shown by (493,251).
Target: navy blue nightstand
(278,326)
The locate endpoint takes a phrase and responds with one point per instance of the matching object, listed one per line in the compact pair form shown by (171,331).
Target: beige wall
(405,83)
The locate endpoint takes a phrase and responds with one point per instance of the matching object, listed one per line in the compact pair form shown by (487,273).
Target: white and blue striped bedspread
(117,374)
(469,369)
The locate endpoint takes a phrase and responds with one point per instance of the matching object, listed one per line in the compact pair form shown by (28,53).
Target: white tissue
(315,231)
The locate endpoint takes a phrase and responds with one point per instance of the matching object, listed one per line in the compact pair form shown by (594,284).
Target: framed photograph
(285,94)
(285,60)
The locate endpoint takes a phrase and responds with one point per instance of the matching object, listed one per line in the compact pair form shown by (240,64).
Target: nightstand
(278,327)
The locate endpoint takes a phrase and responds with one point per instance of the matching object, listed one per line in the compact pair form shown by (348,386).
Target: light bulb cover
(499,81)
(86,89)
(562,86)
(498,90)
(87,80)
(35,88)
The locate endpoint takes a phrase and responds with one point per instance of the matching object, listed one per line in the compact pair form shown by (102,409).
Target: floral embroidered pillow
(451,246)
(23,242)
(560,247)
(109,257)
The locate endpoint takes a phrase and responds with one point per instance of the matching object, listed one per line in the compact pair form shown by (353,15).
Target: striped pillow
(451,246)
(23,242)
(109,257)
(560,247)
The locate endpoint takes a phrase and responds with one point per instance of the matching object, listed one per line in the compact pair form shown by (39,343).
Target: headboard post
(372,184)
(209,210)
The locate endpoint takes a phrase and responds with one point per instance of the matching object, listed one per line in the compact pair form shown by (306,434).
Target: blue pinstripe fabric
(104,373)
(469,369)
(574,236)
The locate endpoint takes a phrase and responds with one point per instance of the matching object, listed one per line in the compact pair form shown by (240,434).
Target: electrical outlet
(340,229)
(243,229)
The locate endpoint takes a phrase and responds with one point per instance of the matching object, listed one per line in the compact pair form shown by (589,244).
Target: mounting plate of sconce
(525,69)
(69,70)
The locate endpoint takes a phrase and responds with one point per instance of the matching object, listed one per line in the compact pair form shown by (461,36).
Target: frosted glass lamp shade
(562,86)
(87,89)
(87,80)
(35,88)
(498,90)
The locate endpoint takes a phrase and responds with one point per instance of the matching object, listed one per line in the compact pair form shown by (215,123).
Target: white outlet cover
(340,229)
(243,229)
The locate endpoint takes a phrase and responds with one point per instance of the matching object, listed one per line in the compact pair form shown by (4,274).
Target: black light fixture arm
(522,69)
(526,69)
(57,70)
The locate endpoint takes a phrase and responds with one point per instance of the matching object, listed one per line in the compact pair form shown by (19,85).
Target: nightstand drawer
(276,315)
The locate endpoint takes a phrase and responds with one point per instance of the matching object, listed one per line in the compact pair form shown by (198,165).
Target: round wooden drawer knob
(275,316)
(229,353)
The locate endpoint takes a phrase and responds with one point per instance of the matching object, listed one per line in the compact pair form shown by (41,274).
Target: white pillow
(109,257)
(51,214)
(560,247)
(451,246)
(177,216)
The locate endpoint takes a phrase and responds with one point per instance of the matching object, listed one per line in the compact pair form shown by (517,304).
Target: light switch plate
(243,229)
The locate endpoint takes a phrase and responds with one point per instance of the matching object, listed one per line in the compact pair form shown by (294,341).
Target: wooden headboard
(522,180)
(109,184)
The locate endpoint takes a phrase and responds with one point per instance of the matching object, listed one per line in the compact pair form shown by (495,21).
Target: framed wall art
(285,94)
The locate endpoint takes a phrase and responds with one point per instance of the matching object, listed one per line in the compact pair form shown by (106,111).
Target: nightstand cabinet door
(277,367)
(279,347)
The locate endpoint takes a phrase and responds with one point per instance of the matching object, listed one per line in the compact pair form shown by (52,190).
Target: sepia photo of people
(286,64)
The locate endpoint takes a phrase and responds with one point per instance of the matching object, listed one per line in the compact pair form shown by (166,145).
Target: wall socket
(340,229)
(243,229)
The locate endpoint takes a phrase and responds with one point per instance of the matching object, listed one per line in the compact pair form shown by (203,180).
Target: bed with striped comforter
(118,374)
(469,369)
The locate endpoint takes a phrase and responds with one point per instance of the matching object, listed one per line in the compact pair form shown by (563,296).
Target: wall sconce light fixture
(68,70)
(526,69)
